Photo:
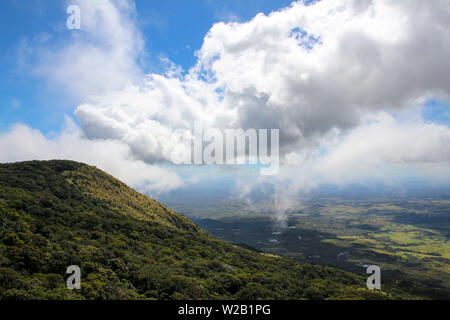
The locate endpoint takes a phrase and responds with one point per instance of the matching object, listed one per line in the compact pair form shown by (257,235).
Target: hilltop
(59,213)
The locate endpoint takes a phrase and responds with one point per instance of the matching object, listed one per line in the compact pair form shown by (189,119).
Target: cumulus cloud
(146,117)
(22,143)
(386,141)
(309,69)
(306,69)
(101,57)
(382,150)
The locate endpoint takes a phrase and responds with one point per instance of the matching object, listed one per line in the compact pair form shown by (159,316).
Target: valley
(407,238)
(56,214)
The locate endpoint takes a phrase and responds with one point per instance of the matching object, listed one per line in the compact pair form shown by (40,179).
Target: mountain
(54,214)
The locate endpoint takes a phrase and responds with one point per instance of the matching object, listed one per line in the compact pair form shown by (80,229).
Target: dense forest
(59,213)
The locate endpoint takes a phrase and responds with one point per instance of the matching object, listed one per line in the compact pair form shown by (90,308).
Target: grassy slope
(59,213)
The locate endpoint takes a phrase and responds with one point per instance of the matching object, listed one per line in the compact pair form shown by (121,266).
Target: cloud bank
(307,69)
(335,77)
(22,143)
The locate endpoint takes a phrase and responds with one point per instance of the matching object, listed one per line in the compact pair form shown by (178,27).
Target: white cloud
(22,143)
(387,141)
(362,56)
(101,57)
(356,59)
(145,117)
(382,150)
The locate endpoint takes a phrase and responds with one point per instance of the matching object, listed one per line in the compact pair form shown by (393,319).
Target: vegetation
(60,213)
(407,238)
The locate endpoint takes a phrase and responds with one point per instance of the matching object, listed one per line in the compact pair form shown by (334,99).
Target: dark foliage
(60,213)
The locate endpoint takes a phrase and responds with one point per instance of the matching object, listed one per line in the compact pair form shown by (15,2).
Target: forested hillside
(59,213)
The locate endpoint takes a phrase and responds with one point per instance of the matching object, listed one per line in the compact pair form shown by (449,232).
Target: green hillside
(59,213)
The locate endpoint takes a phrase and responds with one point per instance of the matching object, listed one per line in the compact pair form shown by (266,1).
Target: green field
(407,238)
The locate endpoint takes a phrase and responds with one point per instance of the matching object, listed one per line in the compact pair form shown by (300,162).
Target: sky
(172,29)
(359,89)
